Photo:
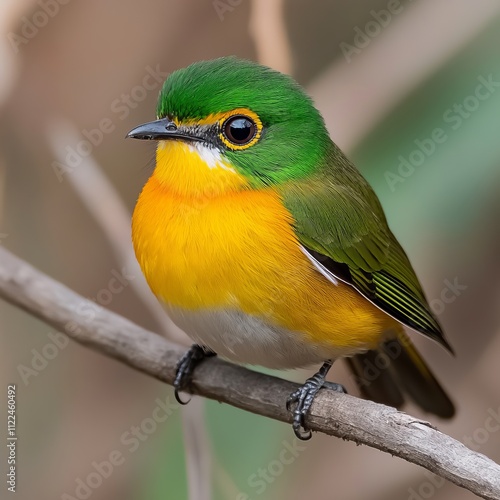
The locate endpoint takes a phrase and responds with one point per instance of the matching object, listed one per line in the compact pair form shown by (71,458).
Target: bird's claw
(185,369)
(303,397)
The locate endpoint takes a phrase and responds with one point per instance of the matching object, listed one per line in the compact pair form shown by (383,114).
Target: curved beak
(160,130)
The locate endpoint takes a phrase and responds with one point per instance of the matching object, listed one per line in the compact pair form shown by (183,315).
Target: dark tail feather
(375,383)
(397,370)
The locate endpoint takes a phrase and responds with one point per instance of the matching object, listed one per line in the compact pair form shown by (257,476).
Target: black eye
(239,129)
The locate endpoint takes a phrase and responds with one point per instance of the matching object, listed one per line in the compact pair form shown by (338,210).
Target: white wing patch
(320,267)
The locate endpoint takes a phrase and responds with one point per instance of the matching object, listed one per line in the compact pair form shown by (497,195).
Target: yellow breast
(205,240)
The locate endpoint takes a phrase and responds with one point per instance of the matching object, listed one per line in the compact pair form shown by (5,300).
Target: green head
(258,120)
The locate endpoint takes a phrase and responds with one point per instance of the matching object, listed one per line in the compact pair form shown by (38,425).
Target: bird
(267,246)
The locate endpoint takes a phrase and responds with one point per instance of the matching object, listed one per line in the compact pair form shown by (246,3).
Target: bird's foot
(304,396)
(193,357)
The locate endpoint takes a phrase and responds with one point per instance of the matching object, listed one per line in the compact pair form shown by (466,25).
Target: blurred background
(410,90)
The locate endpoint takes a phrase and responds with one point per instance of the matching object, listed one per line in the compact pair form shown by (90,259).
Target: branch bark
(343,416)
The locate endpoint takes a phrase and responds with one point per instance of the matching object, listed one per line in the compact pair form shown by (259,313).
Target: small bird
(266,245)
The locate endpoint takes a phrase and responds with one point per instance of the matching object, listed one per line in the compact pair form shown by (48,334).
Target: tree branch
(363,422)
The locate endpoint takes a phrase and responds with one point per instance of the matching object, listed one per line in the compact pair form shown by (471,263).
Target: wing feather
(343,228)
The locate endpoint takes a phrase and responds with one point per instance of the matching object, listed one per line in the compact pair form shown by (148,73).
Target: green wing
(340,223)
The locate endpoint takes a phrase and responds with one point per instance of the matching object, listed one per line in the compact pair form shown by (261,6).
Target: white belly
(242,338)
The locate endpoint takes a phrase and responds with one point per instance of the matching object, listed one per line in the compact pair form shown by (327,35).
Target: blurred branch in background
(364,422)
(356,106)
(268,31)
(2,193)
(9,15)
(198,450)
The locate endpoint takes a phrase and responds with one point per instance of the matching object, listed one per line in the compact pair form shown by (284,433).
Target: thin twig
(363,422)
